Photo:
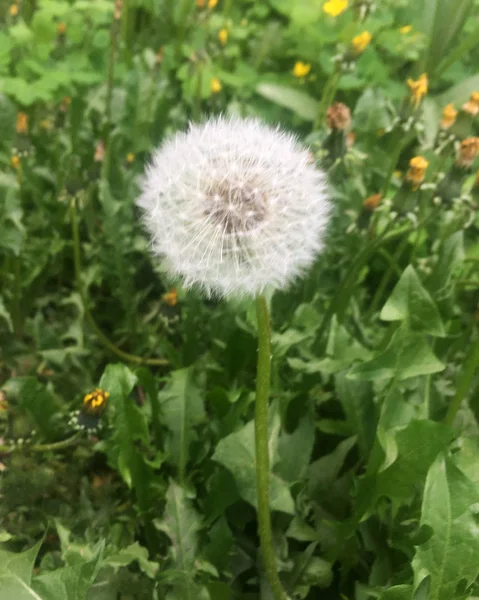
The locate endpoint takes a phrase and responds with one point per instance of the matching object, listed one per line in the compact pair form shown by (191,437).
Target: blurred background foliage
(375,397)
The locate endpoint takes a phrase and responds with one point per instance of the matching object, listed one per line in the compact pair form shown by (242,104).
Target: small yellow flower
(301,69)
(45,124)
(212,3)
(130,157)
(65,103)
(13,10)
(200,3)
(406,29)
(223,36)
(418,88)
(22,123)
(417,171)
(449,115)
(171,297)
(61,29)
(333,8)
(361,42)
(15,162)
(95,401)
(472,105)
(215,85)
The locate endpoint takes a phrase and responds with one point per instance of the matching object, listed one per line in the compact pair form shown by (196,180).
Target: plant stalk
(470,367)
(44,447)
(261,443)
(89,317)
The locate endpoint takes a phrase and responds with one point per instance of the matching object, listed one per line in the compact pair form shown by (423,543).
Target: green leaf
(39,402)
(133,552)
(410,302)
(299,102)
(237,453)
(451,257)
(72,582)
(295,450)
(357,400)
(5,315)
(407,355)
(450,555)
(182,406)
(130,429)
(416,445)
(181,523)
(372,112)
(459,93)
(18,566)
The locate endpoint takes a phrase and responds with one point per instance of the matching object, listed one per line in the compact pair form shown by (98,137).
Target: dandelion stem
(44,447)
(89,317)
(328,96)
(261,442)
(470,366)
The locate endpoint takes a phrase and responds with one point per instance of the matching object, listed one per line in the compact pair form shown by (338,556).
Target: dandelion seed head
(234,206)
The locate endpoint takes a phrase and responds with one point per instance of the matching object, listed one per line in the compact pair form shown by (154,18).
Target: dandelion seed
(234,206)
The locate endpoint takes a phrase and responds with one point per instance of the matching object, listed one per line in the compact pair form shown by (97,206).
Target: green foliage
(373,424)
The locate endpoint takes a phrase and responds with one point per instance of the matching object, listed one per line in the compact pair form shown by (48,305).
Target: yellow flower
(333,8)
(372,202)
(22,123)
(361,41)
(171,297)
(130,157)
(468,151)
(406,29)
(301,69)
(95,401)
(61,29)
(200,3)
(215,85)
(45,124)
(449,115)
(417,171)
(15,162)
(418,88)
(472,105)
(13,10)
(212,3)
(223,36)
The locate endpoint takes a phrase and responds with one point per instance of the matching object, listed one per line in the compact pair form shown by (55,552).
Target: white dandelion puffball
(234,206)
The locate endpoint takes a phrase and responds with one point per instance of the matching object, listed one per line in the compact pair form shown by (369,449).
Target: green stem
(327,98)
(385,279)
(45,447)
(89,317)
(114,30)
(467,374)
(261,443)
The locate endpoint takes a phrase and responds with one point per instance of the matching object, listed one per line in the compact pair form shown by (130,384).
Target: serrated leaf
(39,402)
(237,453)
(357,400)
(133,552)
(407,355)
(181,523)
(417,445)
(450,554)
(129,427)
(299,102)
(410,302)
(183,409)
(295,450)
